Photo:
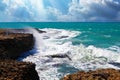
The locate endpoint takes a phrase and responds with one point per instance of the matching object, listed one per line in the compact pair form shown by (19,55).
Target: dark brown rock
(101,74)
(25,30)
(40,31)
(14,70)
(61,37)
(13,44)
(59,56)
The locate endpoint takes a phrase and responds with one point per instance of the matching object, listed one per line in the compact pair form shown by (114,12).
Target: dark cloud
(94,10)
(103,11)
(113,4)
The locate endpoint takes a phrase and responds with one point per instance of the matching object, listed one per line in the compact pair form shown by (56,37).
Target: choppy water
(85,46)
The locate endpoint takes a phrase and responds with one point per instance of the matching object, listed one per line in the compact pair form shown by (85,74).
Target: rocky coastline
(15,70)
(12,45)
(14,42)
(100,74)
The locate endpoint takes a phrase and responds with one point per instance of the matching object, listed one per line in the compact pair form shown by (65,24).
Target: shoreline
(99,74)
(12,39)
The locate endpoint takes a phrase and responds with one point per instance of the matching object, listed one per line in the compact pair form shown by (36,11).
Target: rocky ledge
(12,45)
(101,74)
(14,70)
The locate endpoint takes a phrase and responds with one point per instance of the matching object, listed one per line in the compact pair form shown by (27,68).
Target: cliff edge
(12,45)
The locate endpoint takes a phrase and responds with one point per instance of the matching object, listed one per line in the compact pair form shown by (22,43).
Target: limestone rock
(13,44)
(101,74)
(14,70)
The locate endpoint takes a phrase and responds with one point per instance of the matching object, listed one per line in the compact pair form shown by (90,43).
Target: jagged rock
(101,74)
(13,44)
(61,37)
(40,31)
(59,56)
(14,70)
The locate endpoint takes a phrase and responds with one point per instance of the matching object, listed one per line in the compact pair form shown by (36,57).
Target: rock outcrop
(59,56)
(13,44)
(40,31)
(14,70)
(26,30)
(102,74)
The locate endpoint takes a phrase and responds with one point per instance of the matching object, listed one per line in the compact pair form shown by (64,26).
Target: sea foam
(56,42)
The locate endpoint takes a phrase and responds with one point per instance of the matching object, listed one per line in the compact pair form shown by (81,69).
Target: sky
(59,10)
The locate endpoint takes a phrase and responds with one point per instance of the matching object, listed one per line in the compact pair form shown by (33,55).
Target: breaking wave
(56,56)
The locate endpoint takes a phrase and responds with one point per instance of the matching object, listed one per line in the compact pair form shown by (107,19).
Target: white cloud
(24,10)
(76,10)
(95,10)
(91,10)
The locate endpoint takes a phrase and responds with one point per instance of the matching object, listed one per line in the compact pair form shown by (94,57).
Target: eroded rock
(14,70)
(101,74)
(12,45)
(59,56)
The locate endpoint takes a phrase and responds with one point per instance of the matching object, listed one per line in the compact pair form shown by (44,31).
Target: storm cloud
(93,10)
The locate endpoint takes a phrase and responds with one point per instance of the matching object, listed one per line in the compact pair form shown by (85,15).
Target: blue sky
(59,10)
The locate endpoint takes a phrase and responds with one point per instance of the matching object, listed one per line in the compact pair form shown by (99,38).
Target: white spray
(39,43)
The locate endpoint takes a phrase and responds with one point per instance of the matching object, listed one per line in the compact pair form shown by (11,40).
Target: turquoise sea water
(98,34)
(88,45)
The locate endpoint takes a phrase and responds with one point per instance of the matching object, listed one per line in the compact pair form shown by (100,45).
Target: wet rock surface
(40,31)
(59,56)
(101,74)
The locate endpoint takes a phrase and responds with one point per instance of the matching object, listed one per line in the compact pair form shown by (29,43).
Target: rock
(101,74)
(40,31)
(14,70)
(2,31)
(117,64)
(59,56)
(13,44)
(61,37)
(25,30)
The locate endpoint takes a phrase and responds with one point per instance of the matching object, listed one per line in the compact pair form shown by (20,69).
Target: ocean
(77,45)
